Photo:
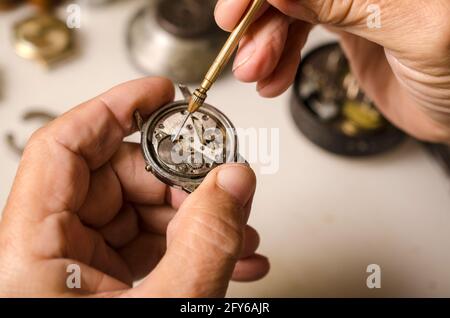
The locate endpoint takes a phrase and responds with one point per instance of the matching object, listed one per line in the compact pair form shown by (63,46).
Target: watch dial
(200,147)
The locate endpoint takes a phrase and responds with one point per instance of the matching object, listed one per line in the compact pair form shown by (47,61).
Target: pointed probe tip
(177,135)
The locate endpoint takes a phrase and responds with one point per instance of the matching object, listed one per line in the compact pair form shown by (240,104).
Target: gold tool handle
(231,44)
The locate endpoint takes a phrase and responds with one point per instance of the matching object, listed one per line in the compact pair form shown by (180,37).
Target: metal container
(178,39)
(332,111)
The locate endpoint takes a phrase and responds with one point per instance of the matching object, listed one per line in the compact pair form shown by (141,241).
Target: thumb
(204,240)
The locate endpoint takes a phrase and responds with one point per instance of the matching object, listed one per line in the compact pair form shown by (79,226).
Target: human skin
(82,196)
(404,66)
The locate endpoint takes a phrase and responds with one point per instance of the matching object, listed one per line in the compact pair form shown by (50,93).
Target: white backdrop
(322,218)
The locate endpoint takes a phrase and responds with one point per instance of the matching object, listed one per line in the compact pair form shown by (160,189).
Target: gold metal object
(43,38)
(200,94)
(362,115)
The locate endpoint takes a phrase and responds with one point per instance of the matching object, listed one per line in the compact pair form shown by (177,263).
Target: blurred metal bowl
(178,39)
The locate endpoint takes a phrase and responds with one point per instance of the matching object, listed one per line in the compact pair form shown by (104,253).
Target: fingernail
(238,181)
(245,53)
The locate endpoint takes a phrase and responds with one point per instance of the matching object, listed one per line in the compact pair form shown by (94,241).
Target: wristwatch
(206,141)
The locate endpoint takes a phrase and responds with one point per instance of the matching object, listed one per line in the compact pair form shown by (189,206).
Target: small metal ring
(171,178)
(27,116)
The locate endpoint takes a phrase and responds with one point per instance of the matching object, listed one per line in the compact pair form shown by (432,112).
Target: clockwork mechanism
(207,140)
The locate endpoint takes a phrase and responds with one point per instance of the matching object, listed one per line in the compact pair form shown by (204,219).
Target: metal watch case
(207,140)
(330,108)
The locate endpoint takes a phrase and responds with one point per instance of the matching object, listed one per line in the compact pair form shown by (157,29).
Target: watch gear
(206,141)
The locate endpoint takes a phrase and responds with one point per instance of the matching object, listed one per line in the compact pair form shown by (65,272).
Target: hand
(404,66)
(82,196)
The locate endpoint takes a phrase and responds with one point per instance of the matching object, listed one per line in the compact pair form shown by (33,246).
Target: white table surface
(322,218)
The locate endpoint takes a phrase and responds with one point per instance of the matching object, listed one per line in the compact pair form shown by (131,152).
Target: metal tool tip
(177,135)
(194,103)
(197,100)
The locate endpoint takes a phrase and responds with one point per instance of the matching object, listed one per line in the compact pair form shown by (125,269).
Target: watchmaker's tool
(200,94)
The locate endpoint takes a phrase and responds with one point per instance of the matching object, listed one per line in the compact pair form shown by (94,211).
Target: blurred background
(372,197)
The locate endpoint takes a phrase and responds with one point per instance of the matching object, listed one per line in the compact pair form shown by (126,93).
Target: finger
(104,258)
(251,242)
(62,235)
(138,185)
(58,159)
(124,178)
(205,238)
(358,17)
(176,197)
(103,199)
(155,219)
(122,229)
(261,48)
(229,12)
(95,129)
(252,268)
(93,281)
(143,254)
(284,74)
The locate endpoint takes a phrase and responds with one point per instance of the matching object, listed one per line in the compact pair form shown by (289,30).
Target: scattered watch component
(178,39)
(207,141)
(39,115)
(43,38)
(330,109)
